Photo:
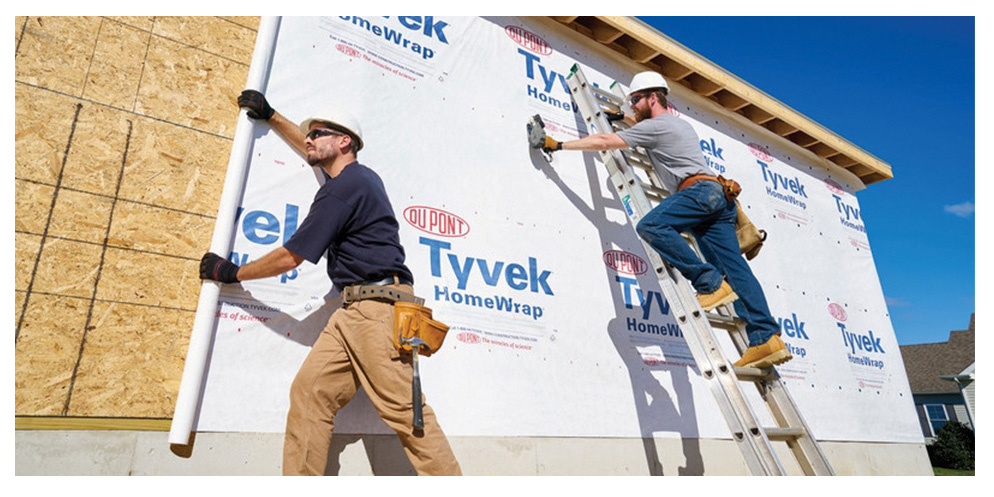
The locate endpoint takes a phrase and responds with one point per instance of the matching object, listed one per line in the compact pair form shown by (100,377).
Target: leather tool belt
(414,321)
(750,238)
(377,290)
(729,186)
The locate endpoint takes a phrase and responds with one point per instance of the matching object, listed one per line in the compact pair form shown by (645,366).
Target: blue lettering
(461,275)
(257,221)
(792,327)
(436,247)
(392,35)
(537,279)
(781,182)
(866,343)
(290,222)
(490,277)
(712,148)
(515,275)
(238,259)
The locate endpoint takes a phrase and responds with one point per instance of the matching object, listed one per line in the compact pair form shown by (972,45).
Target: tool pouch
(750,238)
(731,188)
(413,320)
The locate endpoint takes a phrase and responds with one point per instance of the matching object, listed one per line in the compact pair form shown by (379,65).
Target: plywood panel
(80,216)
(67,268)
(98,149)
(25,252)
(210,34)
(159,230)
(116,68)
(45,353)
(191,87)
(32,201)
(149,279)
(150,121)
(42,124)
(133,357)
(143,23)
(54,52)
(251,22)
(175,167)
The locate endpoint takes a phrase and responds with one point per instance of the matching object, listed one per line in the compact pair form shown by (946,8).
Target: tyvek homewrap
(557,330)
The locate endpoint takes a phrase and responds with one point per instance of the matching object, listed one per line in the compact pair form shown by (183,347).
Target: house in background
(942,380)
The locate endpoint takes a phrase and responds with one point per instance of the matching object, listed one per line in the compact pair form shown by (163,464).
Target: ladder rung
(653,192)
(726,322)
(783,434)
(753,374)
(607,96)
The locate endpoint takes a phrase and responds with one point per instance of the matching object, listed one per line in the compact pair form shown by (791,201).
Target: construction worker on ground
(698,205)
(351,220)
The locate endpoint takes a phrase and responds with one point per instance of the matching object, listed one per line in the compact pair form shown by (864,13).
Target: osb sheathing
(123,127)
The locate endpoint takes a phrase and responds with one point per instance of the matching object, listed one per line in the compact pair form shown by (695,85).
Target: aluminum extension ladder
(719,374)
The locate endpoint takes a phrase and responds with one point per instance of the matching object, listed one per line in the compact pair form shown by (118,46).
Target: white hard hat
(646,80)
(337,119)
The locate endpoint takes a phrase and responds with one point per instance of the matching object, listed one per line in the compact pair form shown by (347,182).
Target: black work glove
(255,102)
(217,268)
(614,116)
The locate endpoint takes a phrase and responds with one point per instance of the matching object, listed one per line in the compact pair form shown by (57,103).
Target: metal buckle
(348,295)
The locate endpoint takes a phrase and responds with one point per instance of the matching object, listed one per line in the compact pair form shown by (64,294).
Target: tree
(953,447)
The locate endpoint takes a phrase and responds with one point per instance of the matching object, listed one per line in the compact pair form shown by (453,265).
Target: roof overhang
(645,45)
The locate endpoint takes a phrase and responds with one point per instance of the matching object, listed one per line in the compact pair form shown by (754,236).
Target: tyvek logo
(837,312)
(467,337)
(531,41)
(436,221)
(760,152)
(347,50)
(625,262)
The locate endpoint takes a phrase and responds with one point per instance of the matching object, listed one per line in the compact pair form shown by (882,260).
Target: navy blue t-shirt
(352,221)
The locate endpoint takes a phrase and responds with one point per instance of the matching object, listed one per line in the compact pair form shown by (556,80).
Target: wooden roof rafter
(643,44)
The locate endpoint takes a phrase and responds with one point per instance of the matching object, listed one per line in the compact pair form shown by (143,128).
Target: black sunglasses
(636,98)
(319,132)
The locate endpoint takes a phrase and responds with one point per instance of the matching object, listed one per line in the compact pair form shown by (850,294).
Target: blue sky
(901,88)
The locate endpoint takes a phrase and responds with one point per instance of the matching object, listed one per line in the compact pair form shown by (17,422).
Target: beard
(642,114)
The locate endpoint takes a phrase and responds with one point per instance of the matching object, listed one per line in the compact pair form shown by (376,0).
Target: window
(937,416)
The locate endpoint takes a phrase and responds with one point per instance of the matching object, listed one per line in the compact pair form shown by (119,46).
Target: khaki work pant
(356,348)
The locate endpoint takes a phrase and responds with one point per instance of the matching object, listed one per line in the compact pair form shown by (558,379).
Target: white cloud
(962,210)
(895,302)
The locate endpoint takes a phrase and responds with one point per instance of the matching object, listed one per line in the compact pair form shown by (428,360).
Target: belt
(366,290)
(690,181)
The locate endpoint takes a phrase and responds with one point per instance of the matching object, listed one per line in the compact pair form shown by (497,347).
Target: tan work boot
(774,351)
(723,295)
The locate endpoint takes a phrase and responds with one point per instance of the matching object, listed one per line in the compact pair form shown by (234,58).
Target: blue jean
(703,211)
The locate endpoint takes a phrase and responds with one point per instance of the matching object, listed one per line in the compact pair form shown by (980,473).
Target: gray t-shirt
(672,145)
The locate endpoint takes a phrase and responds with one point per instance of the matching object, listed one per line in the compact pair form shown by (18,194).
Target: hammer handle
(419,421)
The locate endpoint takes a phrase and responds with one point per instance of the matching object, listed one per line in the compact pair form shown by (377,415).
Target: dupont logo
(531,41)
(671,109)
(436,221)
(466,337)
(833,187)
(625,262)
(347,50)
(837,312)
(760,152)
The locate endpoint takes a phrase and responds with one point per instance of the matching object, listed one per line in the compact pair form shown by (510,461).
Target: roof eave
(645,45)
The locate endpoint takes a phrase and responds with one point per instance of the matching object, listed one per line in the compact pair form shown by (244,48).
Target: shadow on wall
(658,409)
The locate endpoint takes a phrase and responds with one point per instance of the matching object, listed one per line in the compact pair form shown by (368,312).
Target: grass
(952,472)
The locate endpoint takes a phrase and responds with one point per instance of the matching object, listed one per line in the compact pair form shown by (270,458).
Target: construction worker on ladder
(697,204)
